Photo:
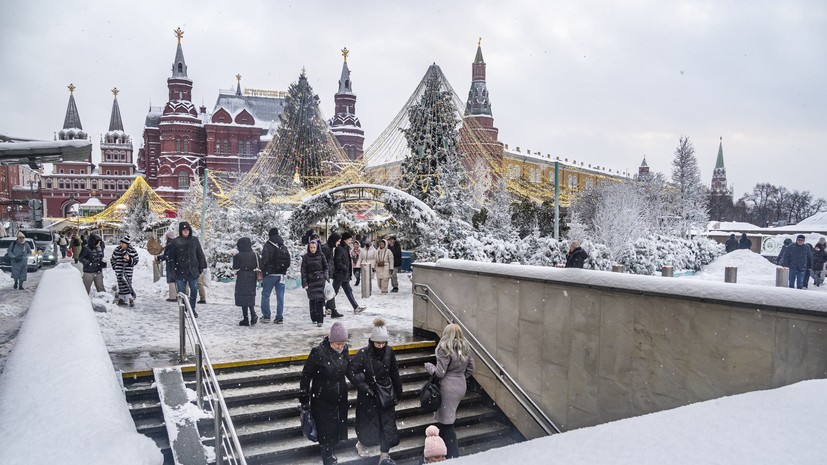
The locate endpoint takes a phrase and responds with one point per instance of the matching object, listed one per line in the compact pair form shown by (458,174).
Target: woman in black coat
(372,366)
(314,276)
(328,250)
(246,263)
(323,389)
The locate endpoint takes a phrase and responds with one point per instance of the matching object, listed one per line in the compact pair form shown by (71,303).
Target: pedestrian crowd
(374,372)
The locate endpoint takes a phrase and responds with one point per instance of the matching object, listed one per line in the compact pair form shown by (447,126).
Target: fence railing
(425,292)
(227,447)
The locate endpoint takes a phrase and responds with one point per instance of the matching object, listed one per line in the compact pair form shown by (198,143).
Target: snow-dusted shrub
(706,250)
(600,257)
(638,257)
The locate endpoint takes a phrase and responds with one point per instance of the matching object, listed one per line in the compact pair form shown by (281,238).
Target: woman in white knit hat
(374,372)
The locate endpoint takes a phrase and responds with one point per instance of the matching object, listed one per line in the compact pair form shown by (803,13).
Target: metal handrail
(225,433)
(426,293)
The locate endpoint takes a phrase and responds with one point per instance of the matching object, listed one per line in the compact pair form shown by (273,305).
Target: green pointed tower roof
(719,163)
(115,121)
(478,58)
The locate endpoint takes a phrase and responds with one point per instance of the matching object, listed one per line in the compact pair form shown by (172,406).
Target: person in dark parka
(375,365)
(94,260)
(576,256)
(328,250)
(731,243)
(188,261)
(744,242)
(819,259)
(245,262)
(323,389)
(169,267)
(314,272)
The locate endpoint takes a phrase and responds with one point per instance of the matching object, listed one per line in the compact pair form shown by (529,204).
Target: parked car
(35,259)
(46,244)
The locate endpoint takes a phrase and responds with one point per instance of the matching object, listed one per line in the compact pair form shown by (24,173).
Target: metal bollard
(782,277)
(216,410)
(731,274)
(618,268)
(667,271)
(367,281)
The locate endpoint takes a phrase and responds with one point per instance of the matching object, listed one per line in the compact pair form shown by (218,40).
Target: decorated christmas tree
(433,139)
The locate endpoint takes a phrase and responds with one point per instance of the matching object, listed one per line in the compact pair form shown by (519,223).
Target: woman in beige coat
(384,266)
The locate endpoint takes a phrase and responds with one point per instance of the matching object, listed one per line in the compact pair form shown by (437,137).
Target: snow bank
(764,427)
(60,401)
(752,268)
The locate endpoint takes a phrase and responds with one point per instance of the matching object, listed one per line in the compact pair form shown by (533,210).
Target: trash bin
(407,260)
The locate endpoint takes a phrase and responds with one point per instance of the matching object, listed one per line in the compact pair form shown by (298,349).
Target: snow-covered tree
(139,216)
(691,202)
(620,216)
(432,137)
(303,140)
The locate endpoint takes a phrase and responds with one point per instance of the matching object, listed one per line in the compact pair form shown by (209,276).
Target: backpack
(281,258)
(62,242)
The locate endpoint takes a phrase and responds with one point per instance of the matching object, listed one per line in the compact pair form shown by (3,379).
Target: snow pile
(60,401)
(763,427)
(752,268)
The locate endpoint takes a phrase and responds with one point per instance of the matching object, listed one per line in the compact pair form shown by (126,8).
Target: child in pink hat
(435,450)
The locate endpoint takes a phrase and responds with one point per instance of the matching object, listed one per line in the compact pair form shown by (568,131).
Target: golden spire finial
(345,53)
(238,78)
(115,92)
(71,88)
(179,33)
(479,42)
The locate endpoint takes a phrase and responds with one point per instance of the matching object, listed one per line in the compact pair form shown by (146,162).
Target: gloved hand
(430,368)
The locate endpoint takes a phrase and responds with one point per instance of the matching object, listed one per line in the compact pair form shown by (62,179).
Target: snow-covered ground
(776,426)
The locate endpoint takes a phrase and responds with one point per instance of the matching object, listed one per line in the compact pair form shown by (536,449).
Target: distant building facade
(181,140)
(76,182)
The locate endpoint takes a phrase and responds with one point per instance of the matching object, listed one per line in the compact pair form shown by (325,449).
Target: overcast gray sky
(601,82)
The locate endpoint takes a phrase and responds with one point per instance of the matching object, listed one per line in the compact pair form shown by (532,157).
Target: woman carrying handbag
(375,374)
(245,262)
(384,266)
(454,365)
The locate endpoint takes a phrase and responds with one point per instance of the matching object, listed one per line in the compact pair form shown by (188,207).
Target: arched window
(177,145)
(186,145)
(183,180)
(227,146)
(180,67)
(249,149)
(240,148)
(218,147)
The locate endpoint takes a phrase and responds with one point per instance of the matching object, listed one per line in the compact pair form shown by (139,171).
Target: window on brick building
(61,171)
(177,145)
(572,181)
(218,147)
(108,172)
(71,171)
(60,184)
(249,150)
(226,146)
(186,145)
(183,180)
(48,184)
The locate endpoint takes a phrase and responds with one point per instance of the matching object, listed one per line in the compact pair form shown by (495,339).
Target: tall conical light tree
(303,142)
(433,139)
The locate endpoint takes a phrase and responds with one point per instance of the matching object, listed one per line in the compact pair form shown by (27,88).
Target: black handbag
(430,397)
(385,394)
(309,425)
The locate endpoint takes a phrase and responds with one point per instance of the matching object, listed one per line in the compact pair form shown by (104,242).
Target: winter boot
(244,322)
(362,450)
(396,289)
(336,314)
(20,286)
(15,284)
(131,302)
(253,319)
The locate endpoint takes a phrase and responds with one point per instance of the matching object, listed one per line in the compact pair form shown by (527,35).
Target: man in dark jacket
(188,261)
(328,251)
(343,271)
(744,243)
(275,261)
(780,258)
(396,249)
(576,256)
(798,258)
(731,243)
(94,261)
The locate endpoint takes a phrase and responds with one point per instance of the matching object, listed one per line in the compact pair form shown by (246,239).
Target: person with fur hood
(314,272)
(375,374)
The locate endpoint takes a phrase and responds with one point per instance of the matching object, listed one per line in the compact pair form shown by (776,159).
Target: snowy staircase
(262,399)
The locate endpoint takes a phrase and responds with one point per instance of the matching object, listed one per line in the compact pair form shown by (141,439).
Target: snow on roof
(264,109)
(731,226)
(93,202)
